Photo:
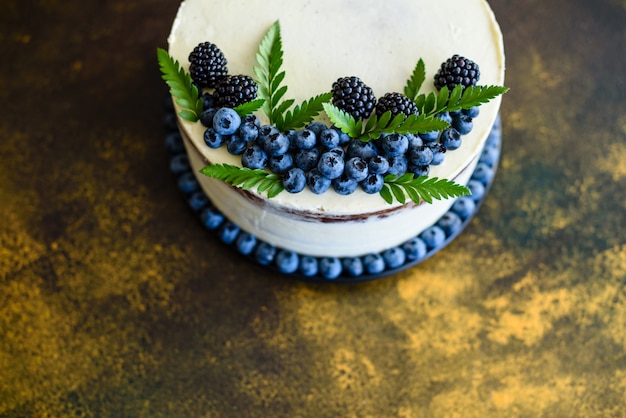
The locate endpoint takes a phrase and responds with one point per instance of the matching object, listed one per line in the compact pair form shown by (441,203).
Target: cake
(339,233)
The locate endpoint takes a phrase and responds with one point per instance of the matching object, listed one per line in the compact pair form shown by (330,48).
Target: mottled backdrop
(114,302)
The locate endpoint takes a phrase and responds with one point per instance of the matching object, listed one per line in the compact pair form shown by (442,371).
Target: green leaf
(185,92)
(398,193)
(470,96)
(303,114)
(249,107)
(420,189)
(268,75)
(245,178)
(342,120)
(413,85)
(429,104)
(385,193)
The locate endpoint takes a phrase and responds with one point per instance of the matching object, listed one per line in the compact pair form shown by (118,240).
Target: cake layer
(380,42)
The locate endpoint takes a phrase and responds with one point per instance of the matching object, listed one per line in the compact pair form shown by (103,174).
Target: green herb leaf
(246,178)
(457,99)
(420,189)
(343,120)
(247,108)
(377,126)
(185,92)
(475,96)
(268,74)
(303,114)
(414,84)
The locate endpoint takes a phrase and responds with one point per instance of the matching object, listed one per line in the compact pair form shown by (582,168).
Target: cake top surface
(323,40)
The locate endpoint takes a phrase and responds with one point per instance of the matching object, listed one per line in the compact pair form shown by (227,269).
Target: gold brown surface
(114,302)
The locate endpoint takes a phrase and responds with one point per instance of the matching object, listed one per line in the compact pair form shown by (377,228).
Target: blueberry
(212,138)
(490,155)
(414,141)
(395,144)
(444,116)
(308,266)
(330,267)
(318,183)
(254,157)
(397,165)
(305,139)
(483,173)
(472,112)
(373,183)
(294,180)
(287,261)
(344,138)
(235,145)
(248,131)
(329,138)
(345,185)
(174,143)
(450,138)
(338,151)
(251,118)
(378,165)
(358,148)
(419,170)
(394,257)
(450,222)
(462,123)
(291,136)
(307,159)
(433,237)
(316,127)
(430,136)
(198,201)
(245,243)
(421,155)
(226,121)
(330,165)
(352,266)
(207,115)
(439,153)
(281,164)
(374,263)
(477,189)
(356,169)
(276,144)
(464,206)
(264,253)
(211,217)
(265,132)
(179,164)
(415,249)
(188,183)
(228,232)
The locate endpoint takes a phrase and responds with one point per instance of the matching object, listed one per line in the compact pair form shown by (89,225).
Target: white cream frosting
(380,42)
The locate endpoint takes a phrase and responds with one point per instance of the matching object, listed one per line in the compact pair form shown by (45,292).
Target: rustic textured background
(114,302)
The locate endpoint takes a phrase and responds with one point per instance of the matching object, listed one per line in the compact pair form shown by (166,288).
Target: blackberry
(457,70)
(397,103)
(352,95)
(207,65)
(234,90)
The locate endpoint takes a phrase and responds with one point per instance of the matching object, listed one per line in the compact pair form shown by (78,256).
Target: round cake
(382,45)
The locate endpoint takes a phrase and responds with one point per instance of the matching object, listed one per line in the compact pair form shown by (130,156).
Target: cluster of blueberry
(334,268)
(322,157)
